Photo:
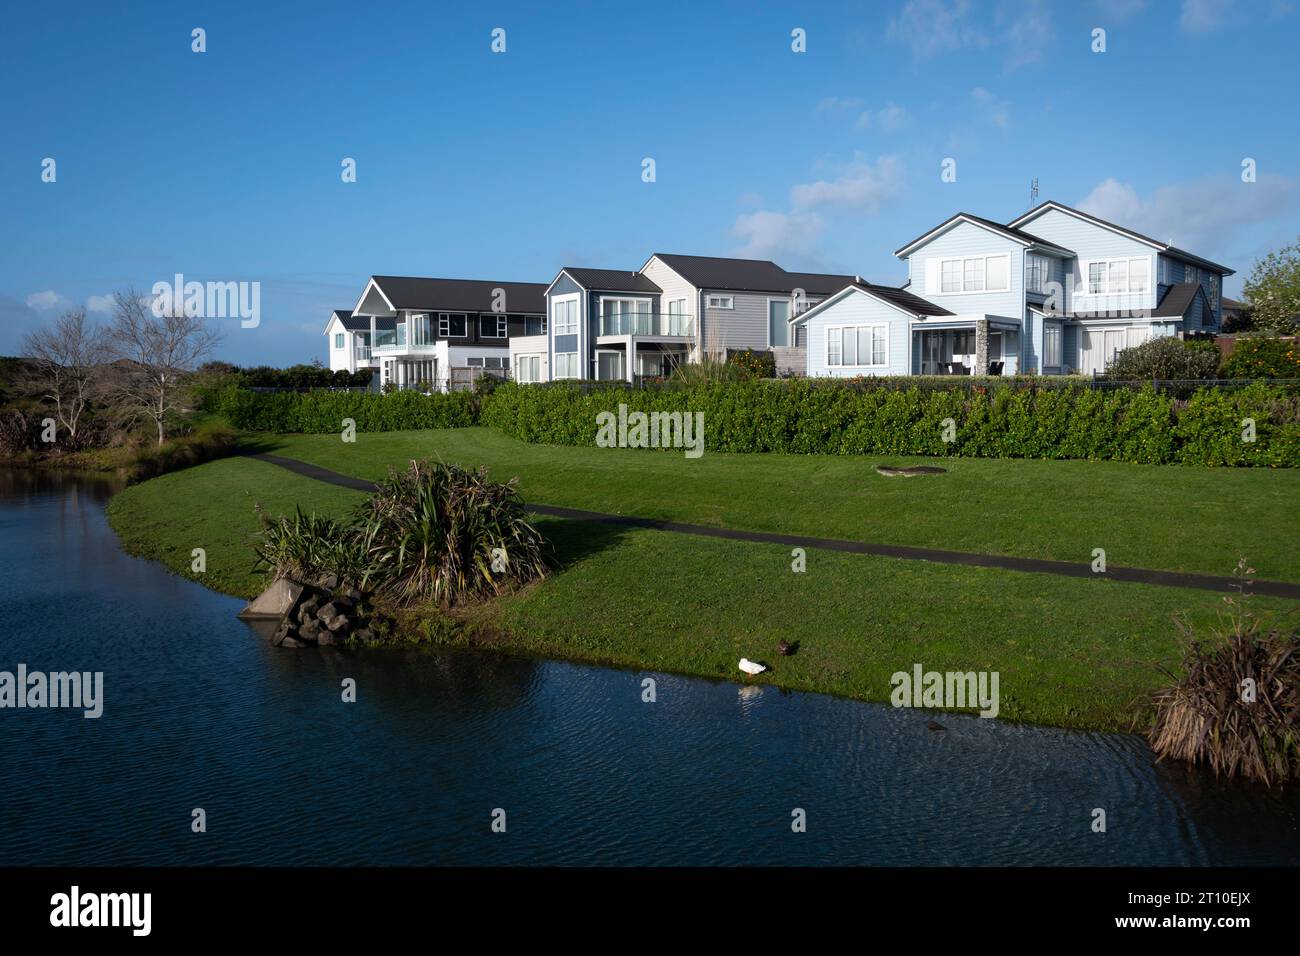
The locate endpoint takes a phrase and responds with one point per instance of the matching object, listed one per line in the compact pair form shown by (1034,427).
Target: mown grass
(1174,518)
(1070,652)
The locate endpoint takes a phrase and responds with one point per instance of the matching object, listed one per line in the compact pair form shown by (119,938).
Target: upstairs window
(721,302)
(1119,276)
(975,274)
(338,340)
(534,325)
(565,312)
(451,325)
(492,326)
(1036,273)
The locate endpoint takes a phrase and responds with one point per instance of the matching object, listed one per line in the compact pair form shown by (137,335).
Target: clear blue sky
(225,165)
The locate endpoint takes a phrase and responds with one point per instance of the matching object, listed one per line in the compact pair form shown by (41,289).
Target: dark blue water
(200,712)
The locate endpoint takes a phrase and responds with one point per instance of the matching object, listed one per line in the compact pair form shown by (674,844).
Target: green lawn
(1157,516)
(1071,652)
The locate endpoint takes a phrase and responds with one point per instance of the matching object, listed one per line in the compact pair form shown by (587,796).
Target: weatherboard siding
(964,240)
(858,308)
(1089,242)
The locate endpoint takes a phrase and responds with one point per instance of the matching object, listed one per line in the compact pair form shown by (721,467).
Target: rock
(352,594)
(281,633)
(330,582)
(292,642)
(310,631)
(328,611)
(339,622)
(326,639)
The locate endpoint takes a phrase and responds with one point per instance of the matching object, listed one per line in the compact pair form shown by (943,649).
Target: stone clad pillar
(981,347)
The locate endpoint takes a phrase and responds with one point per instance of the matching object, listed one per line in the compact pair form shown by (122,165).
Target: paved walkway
(1179,579)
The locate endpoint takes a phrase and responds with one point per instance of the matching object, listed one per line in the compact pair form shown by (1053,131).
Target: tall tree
(1274,291)
(155,353)
(63,358)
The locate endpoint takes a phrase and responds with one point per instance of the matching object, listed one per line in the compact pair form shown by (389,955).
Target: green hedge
(825,417)
(323,412)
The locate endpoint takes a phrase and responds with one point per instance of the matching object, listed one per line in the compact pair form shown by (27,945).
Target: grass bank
(1070,652)
(1174,518)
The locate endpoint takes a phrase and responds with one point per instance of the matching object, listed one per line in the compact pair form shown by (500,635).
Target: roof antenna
(1033,192)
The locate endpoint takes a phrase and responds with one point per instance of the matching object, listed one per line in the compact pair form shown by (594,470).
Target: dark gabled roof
(1178,299)
(818,283)
(739,275)
(1234,305)
(361,323)
(1163,246)
(903,299)
(1019,235)
(461,295)
(611,280)
(912,304)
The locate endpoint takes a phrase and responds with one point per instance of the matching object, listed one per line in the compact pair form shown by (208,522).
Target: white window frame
(716,302)
(1053,332)
(533,362)
(444,325)
(564,359)
(839,333)
(339,341)
(1037,266)
(634,299)
(503,325)
(577,308)
(1214,291)
(789,314)
(984,272)
(529,318)
(1086,265)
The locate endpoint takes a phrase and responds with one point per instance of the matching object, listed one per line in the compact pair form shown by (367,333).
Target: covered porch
(631,358)
(984,345)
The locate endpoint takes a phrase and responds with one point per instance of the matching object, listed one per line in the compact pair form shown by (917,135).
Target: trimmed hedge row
(323,412)
(803,416)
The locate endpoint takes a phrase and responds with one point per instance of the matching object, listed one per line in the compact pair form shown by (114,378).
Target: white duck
(751,667)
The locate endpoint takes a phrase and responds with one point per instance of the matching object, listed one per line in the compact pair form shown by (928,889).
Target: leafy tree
(1165,358)
(1274,291)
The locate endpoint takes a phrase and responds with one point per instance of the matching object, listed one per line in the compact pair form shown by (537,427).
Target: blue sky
(225,165)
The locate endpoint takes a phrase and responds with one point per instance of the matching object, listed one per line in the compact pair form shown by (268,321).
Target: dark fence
(1180,387)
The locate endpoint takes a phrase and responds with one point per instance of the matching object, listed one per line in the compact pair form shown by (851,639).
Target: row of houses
(1055,291)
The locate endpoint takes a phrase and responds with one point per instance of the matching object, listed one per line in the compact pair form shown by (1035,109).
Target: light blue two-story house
(1055,291)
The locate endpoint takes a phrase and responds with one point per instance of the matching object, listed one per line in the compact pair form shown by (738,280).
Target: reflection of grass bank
(1071,652)
(138,458)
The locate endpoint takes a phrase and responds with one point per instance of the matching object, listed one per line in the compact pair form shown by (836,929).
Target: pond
(198,712)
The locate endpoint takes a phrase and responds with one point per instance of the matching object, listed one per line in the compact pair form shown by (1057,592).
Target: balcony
(362,353)
(664,324)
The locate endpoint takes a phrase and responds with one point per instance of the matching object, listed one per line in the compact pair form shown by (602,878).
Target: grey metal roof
(1177,300)
(461,295)
(1010,231)
(361,323)
(611,280)
(903,299)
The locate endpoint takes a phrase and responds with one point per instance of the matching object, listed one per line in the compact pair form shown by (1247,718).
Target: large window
(566,364)
(857,346)
(778,322)
(452,325)
(975,274)
(1214,292)
(338,340)
(1036,273)
(528,368)
(1051,345)
(565,313)
(534,325)
(1191,274)
(492,325)
(1119,276)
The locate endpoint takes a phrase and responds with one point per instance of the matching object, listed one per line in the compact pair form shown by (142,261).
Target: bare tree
(63,357)
(155,355)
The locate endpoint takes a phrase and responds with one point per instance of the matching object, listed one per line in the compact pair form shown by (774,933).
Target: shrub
(1165,358)
(757,364)
(210,441)
(1261,357)
(308,547)
(323,412)
(1211,714)
(709,370)
(441,533)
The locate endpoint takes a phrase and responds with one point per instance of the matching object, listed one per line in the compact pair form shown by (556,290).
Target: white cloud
(47,300)
(1202,16)
(771,235)
(861,185)
(839,104)
(1023,29)
(1202,215)
(99,303)
(889,119)
(990,108)
(932,27)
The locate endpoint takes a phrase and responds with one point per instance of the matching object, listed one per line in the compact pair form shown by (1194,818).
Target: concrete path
(1179,579)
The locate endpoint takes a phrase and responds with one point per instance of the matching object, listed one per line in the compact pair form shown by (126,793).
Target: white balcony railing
(648,323)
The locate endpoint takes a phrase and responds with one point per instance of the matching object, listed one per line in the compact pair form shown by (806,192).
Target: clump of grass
(441,533)
(309,547)
(1236,706)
